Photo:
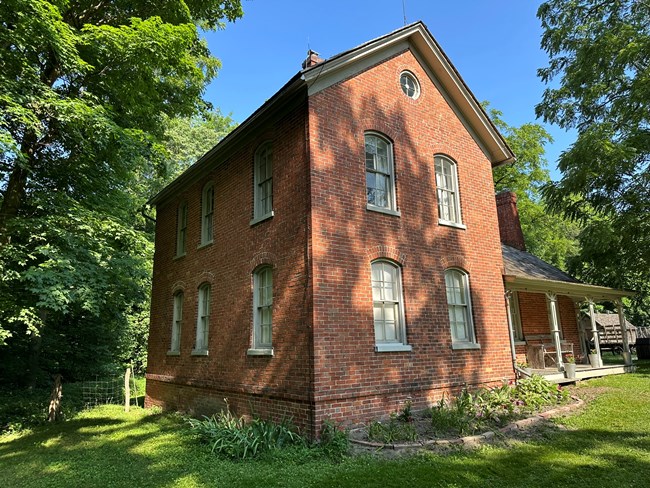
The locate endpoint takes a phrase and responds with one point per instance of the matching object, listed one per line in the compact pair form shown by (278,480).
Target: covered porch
(543,305)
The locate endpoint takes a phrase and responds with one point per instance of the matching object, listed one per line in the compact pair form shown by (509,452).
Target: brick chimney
(509,224)
(312,59)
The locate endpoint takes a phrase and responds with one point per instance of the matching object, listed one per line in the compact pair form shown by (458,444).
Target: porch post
(626,344)
(594,331)
(511,329)
(555,329)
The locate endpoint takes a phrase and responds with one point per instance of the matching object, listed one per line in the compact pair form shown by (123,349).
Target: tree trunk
(12,200)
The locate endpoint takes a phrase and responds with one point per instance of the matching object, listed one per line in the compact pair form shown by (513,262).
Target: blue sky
(493,44)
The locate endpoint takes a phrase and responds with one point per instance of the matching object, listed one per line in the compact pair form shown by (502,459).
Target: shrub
(334,442)
(232,437)
(395,430)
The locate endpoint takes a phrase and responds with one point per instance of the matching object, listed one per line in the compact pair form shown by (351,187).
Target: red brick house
(338,253)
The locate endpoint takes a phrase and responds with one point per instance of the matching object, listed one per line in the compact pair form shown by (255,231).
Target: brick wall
(270,384)
(535,320)
(353,381)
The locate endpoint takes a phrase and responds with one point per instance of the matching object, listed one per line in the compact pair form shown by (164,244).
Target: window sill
(448,223)
(465,345)
(173,353)
(205,244)
(264,351)
(179,256)
(387,211)
(199,352)
(393,348)
(520,342)
(262,218)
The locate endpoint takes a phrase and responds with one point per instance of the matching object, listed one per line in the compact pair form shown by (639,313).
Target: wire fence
(110,390)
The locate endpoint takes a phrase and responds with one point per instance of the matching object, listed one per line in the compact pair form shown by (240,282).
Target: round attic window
(409,84)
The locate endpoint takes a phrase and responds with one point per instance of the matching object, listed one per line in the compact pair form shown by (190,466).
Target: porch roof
(526,272)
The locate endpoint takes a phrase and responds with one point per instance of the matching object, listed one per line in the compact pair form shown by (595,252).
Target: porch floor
(583,372)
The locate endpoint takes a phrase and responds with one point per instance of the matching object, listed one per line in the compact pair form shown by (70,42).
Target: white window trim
(204,213)
(257,215)
(515,318)
(177,323)
(258,348)
(181,218)
(201,348)
(455,189)
(392,200)
(416,83)
(401,345)
(471,343)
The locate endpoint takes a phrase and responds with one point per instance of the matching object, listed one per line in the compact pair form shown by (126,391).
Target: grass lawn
(606,444)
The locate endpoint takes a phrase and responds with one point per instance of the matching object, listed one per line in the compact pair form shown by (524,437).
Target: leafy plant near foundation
(232,437)
(334,441)
(395,430)
(474,411)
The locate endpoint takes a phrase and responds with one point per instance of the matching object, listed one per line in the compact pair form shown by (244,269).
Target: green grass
(607,444)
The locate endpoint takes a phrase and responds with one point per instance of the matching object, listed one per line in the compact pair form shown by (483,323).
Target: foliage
(334,441)
(548,236)
(86,93)
(474,411)
(598,71)
(234,438)
(395,430)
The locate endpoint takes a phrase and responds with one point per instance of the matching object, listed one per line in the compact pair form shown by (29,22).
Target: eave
(575,290)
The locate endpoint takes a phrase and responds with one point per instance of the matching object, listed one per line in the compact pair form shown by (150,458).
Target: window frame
(515,318)
(440,161)
(203,320)
(207,214)
(400,343)
(260,347)
(177,324)
(263,155)
(181,230)
(470,330)
(417,90)
(391,199)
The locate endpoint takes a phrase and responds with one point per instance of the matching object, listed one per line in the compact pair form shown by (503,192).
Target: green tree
(86,92)
(600,65)
(550,237)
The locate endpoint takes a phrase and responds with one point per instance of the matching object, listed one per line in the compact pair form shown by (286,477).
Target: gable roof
(526,272)
(311,80)
(610,320)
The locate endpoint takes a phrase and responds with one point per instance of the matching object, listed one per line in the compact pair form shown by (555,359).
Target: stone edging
(474,440)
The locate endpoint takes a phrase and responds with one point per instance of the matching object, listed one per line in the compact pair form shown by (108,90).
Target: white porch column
(555,329)
(594,330)
(511,328)
(626,344)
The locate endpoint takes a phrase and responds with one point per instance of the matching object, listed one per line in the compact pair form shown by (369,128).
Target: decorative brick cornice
(455,261)
(383,251)
(262,257)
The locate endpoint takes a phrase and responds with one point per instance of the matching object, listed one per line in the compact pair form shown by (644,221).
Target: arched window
(447,191)
(380,175)
(181,229)
(262,311)
(460,307)
(263,191)
(388,310)
(177,320)
(203,319)
(207,213)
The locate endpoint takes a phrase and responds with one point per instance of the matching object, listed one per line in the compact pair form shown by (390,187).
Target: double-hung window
(177,320)
(203,320)
(387,301)
(380,175)
(181,229)
(460,309)
(447,191)
(207,213)
(262,312)
(263,192)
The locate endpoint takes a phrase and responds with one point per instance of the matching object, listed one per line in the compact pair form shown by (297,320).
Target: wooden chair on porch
(541,350)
